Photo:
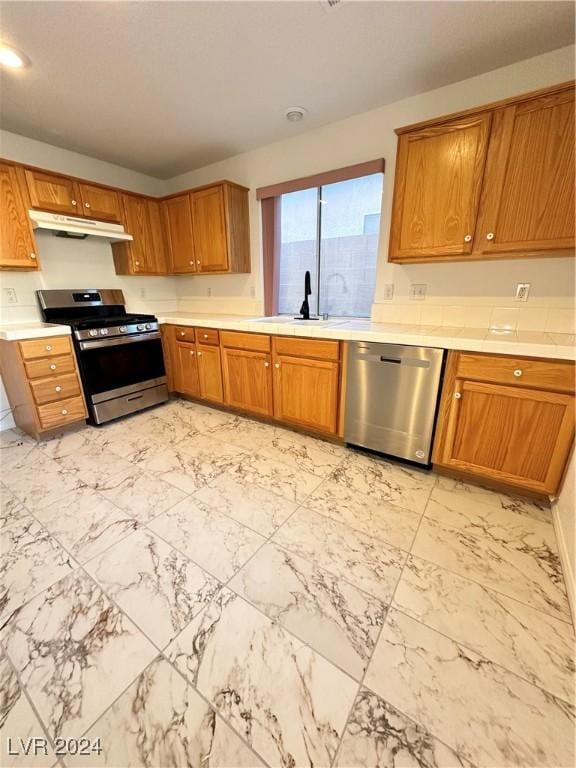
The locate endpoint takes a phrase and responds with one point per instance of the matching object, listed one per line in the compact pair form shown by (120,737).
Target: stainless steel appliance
(119,354)
(391,398)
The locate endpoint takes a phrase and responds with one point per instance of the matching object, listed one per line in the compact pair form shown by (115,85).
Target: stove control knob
(140,327)
(122,329)
(148,326)
(103,331)
(93,332)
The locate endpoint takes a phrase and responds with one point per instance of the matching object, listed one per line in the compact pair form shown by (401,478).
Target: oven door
(119,366)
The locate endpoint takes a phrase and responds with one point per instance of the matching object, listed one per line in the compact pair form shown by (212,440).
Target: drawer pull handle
(490,236)
(467,238)
(64,412)
(58,389)
(518,372)
(457,395)
(48,348)
(53,367)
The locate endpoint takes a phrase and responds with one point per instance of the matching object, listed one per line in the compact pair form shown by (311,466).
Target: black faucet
(305,308)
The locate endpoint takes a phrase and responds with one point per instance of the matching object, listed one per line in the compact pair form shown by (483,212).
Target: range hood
(73,226)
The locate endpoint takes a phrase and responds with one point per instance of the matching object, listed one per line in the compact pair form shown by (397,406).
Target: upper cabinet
(51,192)
(208,231)
(438,182)
(100,202)
(179,236)
(145,254)
(17,246)
(493,184)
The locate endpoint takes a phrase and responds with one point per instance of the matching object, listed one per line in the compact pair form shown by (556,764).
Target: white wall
(462,294)
(564,511)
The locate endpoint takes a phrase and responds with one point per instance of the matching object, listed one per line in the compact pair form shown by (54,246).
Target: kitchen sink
(289,320)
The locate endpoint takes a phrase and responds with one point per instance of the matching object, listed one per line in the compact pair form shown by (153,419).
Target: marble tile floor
(188,587)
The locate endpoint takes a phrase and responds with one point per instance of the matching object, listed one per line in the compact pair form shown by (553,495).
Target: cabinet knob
(32,255)
(48,348)
(58,389)
(199,354)
(266,365)
(457,395)
(276,365)
(73,202)
(64,412)
(198,262)
(490,236)
(182,333)
(192,352)
(87,205)
(191,262)
(52,367)
(467,238)
(205,335)
(137,263)
(518,372)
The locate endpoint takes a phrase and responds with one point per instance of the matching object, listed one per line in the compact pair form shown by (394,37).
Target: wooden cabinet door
(439,174)
(137,224)
(185,371)
(158,256)
(179,235)
(100,203)
(50,192)
(248,380)
(515,435)
(306,392)
(210,372)
(17,246)
(210,231)
(528,196)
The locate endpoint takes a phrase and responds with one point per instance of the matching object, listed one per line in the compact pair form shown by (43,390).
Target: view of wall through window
(332,231)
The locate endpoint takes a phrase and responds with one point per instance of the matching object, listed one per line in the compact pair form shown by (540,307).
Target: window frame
(269,198)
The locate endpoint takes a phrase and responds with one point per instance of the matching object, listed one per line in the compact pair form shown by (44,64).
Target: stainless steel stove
(119,354)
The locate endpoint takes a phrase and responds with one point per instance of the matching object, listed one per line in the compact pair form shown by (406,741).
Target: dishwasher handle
(413,362)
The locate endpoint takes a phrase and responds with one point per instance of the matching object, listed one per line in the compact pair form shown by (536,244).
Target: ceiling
(167,87)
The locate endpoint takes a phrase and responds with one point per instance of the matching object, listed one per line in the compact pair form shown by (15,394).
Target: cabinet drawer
(539,374)
(48,347)
(63,412)
(315,348)
(51,366)
(184,333)
(207,336)
(56,388)
(254,342)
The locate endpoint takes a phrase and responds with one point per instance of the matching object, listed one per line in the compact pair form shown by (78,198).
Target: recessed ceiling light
(295,114)
(10,57)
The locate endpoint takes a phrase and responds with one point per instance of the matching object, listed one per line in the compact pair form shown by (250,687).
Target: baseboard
(567,564)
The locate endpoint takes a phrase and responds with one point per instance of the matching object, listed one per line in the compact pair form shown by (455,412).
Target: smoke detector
(295,114)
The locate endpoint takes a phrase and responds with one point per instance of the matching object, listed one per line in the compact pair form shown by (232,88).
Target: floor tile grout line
(30,700)
(368,663)
(494,663)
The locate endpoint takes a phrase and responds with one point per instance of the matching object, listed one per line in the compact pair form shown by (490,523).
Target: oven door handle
(114,342)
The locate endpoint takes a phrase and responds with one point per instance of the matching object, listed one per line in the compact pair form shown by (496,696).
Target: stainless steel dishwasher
(391,398)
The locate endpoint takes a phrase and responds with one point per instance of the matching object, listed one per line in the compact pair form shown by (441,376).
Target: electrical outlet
(10,296)
(522,291)
(418,291)
(388,294)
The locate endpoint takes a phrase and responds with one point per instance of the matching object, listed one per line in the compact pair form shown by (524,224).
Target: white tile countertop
(18,331)
(560,346)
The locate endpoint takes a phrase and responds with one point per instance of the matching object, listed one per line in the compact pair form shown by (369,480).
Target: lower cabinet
(185,369)
(248,380)
(209,372)
(306,392)
(507,419)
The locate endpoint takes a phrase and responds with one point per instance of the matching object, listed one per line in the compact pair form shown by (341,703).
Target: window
(330,229)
